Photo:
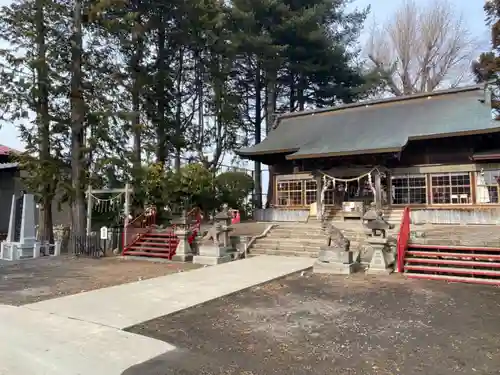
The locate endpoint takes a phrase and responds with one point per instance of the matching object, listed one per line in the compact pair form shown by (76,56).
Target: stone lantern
(215,247)
(183,251)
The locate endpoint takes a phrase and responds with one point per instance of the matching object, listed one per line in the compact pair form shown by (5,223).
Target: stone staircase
(291,239)
(392,215)
(305,239)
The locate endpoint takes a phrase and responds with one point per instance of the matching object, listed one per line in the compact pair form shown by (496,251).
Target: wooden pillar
(126,212)
(89,210)
(319,205)
(389,189)
(378,191)
(473,184)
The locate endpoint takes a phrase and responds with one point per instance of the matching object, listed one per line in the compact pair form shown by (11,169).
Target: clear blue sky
(381,10)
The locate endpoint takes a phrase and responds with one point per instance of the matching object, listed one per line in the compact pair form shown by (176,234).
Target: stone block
(57,248)
(378,264)
(211,261)
(336,256)
(378,241)
(36,250)
(335,268)
(212,250)
(183,251)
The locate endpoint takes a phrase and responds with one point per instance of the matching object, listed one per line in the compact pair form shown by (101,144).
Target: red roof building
(4,150)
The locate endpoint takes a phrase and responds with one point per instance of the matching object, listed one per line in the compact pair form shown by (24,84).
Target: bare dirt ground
(319,325)
(39,279)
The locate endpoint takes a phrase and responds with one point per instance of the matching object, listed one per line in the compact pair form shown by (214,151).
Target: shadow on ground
(331,325)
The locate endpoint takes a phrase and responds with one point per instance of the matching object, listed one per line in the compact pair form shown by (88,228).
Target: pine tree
(487,67)
(29,90)
(302,50)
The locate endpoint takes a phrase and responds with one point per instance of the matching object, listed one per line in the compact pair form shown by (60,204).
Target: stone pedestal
(336,261)
(210,254)
(57,248)
(183,251)
(379,263)
(21,239)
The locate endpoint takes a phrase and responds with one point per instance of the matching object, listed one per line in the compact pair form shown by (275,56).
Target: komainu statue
(214,232)
(335,239)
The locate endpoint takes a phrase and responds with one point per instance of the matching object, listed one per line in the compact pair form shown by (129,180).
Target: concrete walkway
(129,304)
(38,343)
(81,334)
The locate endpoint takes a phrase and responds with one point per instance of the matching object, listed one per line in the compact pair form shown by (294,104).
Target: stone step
(289,252)
(265,247)
(354,245)
(295,234)
(298,230)
(290,240)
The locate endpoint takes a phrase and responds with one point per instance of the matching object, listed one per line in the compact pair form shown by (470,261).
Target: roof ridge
(379,101)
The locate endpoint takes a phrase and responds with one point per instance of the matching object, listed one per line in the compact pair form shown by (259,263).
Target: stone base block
(182,258)
(378,264)
(211,261)
(335,268)
(213,251)
(335,255)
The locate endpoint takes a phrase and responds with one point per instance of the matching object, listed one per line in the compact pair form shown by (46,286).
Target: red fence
(403,238)
(137,227)
(138,230)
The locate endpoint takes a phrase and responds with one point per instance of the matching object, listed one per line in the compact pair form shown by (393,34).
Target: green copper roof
(378,126)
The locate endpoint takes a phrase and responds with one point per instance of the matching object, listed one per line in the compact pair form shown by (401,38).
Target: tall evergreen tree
(30,93)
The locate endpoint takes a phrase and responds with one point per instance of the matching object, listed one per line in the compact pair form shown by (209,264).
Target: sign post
(104,233)
(104,237)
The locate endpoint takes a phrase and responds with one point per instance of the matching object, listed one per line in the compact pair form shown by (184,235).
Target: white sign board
(104,233)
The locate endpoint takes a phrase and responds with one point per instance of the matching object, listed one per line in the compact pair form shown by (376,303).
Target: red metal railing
(135,229)
(403,238)
(139,227)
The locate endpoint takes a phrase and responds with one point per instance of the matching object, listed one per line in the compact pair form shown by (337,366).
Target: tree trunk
(161,131)
(46,231)
(257,135)
(178,111)
(300,93)
(292,92)
(199,89)
(136,94)
(270,116)
(77,121)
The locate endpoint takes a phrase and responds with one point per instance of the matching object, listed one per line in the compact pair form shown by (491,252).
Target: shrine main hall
(432,152)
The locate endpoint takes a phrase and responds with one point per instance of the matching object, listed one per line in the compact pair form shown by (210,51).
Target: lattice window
(451,188)
(290,193)
(296,192)
(487,186)
(409,189)
(311,192)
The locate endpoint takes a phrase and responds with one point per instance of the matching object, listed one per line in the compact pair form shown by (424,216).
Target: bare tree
(421,48)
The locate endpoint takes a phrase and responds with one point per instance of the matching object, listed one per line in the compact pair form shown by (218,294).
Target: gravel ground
(39,279)
(315,324)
